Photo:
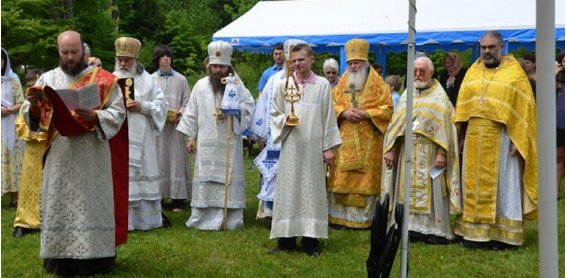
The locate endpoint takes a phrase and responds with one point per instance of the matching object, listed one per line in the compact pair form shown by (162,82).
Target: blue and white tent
(441,24)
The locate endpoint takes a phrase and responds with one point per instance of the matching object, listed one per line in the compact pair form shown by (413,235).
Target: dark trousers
(289,243)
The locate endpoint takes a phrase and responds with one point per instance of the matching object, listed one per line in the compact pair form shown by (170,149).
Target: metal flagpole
(227,172)
(408,136)
(546,127)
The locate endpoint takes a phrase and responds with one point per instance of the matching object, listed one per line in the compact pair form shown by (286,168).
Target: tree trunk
(69,8)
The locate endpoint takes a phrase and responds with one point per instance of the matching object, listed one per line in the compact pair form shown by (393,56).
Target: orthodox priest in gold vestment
(435,189)
(496,108)
(363,107)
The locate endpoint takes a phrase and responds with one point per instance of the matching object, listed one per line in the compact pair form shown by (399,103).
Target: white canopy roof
(328,24)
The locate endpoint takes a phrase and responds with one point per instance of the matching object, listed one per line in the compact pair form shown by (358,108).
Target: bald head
(69,37)
(71,52)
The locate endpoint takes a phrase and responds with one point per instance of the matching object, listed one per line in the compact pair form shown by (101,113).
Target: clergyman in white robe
(300,203)
(208,189)
(144,198)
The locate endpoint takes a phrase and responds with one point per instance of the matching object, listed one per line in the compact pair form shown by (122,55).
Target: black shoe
(475,244)
(337,226)
(165,221)
(415,236)
(431,239)
(313,252)
(311,246)
(19,232)
(500,246)
(285,244)
(177,205)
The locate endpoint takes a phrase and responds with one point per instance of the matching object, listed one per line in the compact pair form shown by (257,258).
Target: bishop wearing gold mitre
(363,107)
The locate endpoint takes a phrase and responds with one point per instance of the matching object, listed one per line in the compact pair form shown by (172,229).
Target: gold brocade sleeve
(23,131)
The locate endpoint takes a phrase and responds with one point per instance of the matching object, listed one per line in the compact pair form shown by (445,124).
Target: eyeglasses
(419,71)
(330,72)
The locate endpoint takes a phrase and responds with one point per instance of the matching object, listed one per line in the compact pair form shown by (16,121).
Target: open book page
(84,98)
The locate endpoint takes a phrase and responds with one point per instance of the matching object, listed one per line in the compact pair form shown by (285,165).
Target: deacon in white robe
(207,130)
(173,167)
(146,117)
(300,202)
(267,160)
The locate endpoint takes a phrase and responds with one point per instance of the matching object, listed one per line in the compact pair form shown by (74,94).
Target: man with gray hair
(435,187)
(331,71)
(87,52)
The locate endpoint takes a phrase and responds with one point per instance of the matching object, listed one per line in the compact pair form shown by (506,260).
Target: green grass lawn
(182,252)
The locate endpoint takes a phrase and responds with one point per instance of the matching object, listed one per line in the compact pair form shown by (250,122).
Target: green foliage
(29,31)
(142,19)
(239,7)
(191,30)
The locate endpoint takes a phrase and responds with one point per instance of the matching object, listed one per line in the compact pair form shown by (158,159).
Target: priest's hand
(390,158)
(261,144)
(359,114)
(177,117)
(350,115)
(87,115)
(440,160)
(5,111)
(190,146)
(134,106)
(328,157)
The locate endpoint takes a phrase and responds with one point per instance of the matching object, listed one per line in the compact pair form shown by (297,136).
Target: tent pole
(546,127)
(408,136)
(342,58)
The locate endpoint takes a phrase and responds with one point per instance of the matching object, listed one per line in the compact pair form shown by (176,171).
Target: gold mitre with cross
(220,53)
(127,47)
(357,49)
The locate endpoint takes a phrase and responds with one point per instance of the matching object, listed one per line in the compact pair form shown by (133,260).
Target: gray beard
(358,79)
(420,85)
(124,73)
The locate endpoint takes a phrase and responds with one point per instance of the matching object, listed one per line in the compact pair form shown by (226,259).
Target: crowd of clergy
(331,148)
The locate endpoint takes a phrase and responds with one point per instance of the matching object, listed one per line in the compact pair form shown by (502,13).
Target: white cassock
(300,202)
(199,123)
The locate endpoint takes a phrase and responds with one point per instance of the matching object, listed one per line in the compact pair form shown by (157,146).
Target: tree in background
(30,29)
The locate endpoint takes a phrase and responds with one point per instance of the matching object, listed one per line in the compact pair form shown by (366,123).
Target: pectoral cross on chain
(352,91)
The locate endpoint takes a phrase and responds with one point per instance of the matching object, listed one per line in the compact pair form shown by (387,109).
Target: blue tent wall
(381,44)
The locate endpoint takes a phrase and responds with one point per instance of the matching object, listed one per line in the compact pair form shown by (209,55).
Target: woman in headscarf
(12,99)
(453,75)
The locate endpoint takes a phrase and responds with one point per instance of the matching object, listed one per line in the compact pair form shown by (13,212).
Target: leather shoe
(314,252)
(19,232)
(431,239)
(165,221)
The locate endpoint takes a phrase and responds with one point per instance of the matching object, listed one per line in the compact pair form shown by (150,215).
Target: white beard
(123,72)
(420,85)
(358,79)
